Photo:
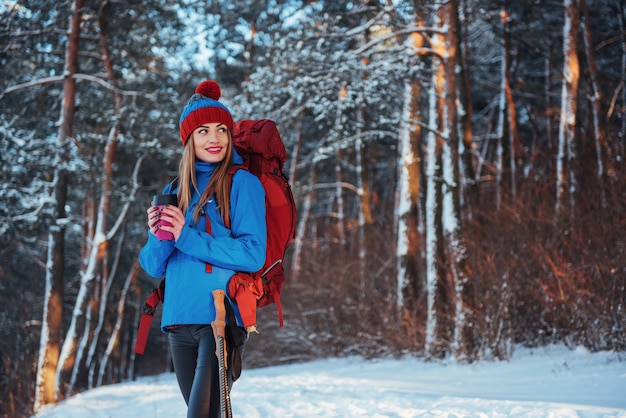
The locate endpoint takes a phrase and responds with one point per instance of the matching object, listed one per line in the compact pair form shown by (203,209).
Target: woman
(204,254)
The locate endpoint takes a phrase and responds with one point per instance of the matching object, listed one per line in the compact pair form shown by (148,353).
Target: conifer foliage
(458,168)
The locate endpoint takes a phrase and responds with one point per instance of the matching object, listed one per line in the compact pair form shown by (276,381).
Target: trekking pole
(219,331)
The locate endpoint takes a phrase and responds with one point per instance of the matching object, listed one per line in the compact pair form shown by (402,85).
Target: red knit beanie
(203,107)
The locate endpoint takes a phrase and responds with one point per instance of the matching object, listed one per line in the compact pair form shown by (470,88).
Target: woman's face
(210,141)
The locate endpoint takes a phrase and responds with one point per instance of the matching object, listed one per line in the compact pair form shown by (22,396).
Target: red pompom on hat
(210,89)
(204,107)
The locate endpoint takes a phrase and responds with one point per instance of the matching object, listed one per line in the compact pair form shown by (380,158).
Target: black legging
(197,372)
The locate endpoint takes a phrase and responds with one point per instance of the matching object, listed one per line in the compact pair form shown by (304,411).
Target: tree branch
(60,78)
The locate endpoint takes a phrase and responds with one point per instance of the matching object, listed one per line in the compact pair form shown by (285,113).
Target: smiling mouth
(213,150)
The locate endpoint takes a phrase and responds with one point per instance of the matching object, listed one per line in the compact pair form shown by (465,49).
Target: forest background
(458,168)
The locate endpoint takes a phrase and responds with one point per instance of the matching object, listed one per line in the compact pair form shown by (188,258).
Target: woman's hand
(171,214)
(153,218)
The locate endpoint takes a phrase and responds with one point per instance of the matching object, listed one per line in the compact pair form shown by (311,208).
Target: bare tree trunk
(506,117)
(511,110)
(302,223)
(409,249)
(622,26)
(409,282)
(548,92)
(341,226)
(465,99)
(565,180)
(365,217)
(602,150)
(450,260)
(435,271)
(297,247)
(49,347)
(106,277)
(115,334)
(365,213)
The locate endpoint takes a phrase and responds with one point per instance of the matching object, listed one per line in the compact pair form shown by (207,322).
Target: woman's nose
(211,136)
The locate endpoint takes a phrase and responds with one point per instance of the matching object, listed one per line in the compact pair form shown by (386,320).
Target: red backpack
(263,151)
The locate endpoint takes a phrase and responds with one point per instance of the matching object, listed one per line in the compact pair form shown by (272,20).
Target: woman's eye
(222,129)
(203,131)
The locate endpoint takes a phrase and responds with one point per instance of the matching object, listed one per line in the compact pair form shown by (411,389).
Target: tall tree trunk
(410,281)
(451,259)
(602,150)
(297,247)
(339,201)
(565,180)
(106,276)
(548,93)
(131,277)
(49,347)
(304,212)
(622,26)
(365,213)
(507,119)
(468,185)
(435,265)
(511,110)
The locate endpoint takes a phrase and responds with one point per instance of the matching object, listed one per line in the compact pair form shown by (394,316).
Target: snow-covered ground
(546,382)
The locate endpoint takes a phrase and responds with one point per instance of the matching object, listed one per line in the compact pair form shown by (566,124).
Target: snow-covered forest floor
(545,382)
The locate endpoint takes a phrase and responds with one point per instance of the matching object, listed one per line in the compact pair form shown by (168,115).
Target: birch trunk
(50,342)
(297,245)
(407,206)
(434,273)
(565,181)
(450,259)
(302,223)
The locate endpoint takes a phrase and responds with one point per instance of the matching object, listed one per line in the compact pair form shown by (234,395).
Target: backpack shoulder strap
(231,172)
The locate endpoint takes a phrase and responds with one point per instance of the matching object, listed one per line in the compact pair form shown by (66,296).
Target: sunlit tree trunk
(410,281)
(106,275)
(507,120)
(450,260)
(565,180)
(49,347)
(511,110)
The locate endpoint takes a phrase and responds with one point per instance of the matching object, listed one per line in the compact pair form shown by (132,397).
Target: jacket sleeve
(154,255)
(244,248)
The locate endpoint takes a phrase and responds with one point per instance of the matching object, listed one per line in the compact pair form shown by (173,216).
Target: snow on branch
(395,34)
(60,78)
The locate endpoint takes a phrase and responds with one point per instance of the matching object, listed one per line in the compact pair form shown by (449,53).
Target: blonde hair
(218,185)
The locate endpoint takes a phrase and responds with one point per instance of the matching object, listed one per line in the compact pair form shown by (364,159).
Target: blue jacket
(188,291)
